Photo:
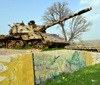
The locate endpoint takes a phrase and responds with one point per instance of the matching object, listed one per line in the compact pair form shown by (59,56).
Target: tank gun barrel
(73,15)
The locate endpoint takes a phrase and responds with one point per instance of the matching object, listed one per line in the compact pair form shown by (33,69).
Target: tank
(22,35)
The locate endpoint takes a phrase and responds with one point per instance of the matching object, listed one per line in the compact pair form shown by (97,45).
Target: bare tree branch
(56,12)
(78,25)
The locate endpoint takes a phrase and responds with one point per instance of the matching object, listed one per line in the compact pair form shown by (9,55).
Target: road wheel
(41,45)
(38,45)
(2,44)
(19,43)
(10,43)
(22,43)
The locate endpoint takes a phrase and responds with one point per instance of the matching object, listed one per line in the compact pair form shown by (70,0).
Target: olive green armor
(34,35)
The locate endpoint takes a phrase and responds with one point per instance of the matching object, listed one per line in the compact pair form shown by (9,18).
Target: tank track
(91,49)
(9,41)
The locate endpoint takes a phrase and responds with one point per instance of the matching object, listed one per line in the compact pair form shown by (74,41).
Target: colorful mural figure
(76,62)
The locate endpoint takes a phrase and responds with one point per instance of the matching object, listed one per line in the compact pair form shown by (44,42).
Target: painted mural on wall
(16,70)
(76,62)
(54,63)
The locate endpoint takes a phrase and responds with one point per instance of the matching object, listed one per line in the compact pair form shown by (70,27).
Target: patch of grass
(26,47)
(50,49)
(87,76)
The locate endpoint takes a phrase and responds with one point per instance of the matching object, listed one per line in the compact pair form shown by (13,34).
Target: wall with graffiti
(51,64)
(16,69)
(20,69)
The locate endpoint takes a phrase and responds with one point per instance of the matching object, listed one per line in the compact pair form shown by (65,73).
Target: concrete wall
(19,69)
(51,64)
(16,69)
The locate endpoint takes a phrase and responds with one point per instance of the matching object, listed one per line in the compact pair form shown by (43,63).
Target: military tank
(33,35)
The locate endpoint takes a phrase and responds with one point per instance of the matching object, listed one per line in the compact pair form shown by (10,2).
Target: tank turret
(31,27)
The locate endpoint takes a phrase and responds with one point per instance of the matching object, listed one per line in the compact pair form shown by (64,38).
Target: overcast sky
(12,11)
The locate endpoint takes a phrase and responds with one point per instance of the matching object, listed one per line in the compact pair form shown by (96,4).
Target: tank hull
(47,41)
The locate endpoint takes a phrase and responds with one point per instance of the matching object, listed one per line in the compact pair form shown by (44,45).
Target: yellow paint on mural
(20,71)
(88,58)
